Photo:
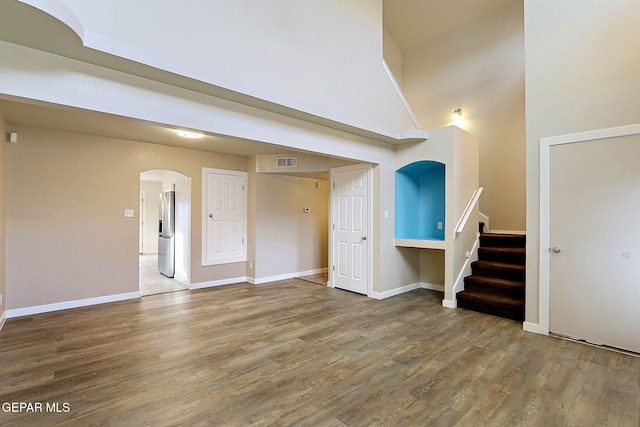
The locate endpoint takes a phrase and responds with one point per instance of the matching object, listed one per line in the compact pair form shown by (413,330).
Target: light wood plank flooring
(294,353)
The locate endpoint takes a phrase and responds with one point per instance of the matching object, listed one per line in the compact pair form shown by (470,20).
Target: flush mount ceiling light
(457,114)
(187,134)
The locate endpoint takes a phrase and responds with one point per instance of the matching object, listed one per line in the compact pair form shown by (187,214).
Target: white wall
(480,69)
(393,56)
(152,190)
(582,74)
(323,57)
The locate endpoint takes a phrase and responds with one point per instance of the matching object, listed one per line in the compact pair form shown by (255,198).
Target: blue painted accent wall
(420,201)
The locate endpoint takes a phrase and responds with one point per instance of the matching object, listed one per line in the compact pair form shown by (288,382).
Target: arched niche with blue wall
(420,201)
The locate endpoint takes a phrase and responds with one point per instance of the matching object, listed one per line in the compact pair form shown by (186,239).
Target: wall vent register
(287,162)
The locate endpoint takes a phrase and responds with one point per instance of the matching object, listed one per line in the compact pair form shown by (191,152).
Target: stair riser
(509,312)
(494,290)
(487,254)
(506,241)
(509,274)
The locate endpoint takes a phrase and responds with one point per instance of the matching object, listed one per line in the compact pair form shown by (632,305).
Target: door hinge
(243,241)
(333,268)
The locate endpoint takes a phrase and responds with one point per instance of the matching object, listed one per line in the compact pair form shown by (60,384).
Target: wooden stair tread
(500,249)
(507,235)
(497,283)
(498,265)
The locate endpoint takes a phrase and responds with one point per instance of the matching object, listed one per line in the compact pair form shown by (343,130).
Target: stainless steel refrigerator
(166,237)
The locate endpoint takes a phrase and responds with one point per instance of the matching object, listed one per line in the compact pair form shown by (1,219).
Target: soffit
(65,119)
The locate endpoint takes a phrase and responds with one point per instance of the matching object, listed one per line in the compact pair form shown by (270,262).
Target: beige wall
(582,74)
(393,56)
(3,164)
(287,239)
(479,68)
(67,237)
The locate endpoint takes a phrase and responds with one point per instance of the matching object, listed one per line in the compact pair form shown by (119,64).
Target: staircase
(496,285)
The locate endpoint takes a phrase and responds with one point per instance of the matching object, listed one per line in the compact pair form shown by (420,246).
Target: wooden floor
(295,353)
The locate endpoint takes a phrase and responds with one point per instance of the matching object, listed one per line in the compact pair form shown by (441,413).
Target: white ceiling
(413,22)
(409,22)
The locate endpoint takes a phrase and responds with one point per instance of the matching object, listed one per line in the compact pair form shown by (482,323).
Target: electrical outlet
(0,299)
(439,225)
(128,213)
(250,265)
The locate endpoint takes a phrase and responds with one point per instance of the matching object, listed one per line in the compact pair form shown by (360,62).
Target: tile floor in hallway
(151,281)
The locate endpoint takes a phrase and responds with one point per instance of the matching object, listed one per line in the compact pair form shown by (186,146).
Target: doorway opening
(153,275)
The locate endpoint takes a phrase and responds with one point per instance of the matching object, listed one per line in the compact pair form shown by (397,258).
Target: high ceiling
(410,23)
(413,22)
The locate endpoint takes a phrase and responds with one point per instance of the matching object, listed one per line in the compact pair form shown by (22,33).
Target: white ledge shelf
(423,244)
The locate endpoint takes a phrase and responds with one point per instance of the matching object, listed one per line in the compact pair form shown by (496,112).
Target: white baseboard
(27,311)
(483,218)
(396,291)
(182,279)
(222,282)
(535,328)
(407,288)
(261,280)
(3,318)
(508,232)
(449,304)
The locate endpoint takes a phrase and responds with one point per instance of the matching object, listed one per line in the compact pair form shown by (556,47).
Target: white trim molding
(28,311)
(3,318)
(407,288)
(222,282)
(285,276)
(542,327)
(396,291)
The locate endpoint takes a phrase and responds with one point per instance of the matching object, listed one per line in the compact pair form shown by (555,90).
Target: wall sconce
(457,114)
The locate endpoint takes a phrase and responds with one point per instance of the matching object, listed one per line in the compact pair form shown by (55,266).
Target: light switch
(128,213)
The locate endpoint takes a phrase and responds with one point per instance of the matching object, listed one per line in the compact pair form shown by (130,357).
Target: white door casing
(142,212)
(589,250)
(224,222)
(351,228)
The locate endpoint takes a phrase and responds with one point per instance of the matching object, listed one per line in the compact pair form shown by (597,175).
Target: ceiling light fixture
(187,134)
(457,114)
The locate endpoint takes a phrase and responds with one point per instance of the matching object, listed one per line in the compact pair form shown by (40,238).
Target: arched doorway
(153,183)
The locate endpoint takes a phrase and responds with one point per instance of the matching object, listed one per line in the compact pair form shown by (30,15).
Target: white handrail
(467,212)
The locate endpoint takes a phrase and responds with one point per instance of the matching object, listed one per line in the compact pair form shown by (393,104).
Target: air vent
(287,162)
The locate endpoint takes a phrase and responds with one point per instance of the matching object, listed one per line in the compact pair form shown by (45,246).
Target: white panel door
(594,276)
(224,217)
(350,230)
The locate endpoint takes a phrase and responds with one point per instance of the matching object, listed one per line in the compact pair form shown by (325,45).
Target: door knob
(556,250)
(210,215)
(364,237)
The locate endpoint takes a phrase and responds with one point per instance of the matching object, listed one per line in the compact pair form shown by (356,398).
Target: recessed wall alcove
(420,201)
